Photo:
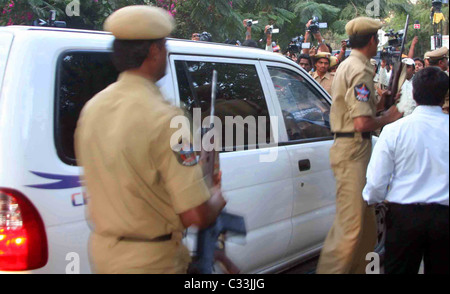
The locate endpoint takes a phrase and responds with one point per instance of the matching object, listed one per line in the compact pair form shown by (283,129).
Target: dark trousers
(416,232)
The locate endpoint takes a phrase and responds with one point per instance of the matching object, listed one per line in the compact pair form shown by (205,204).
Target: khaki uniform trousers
(109,255)
(354,231)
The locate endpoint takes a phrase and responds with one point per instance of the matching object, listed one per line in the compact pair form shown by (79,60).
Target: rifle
(207,239)
(397,72)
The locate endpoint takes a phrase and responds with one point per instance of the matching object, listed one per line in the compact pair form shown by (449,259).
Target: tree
(223,18)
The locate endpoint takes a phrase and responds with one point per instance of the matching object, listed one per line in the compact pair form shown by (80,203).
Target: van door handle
(304,165)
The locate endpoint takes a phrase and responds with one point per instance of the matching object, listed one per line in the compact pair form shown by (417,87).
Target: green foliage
(223,18)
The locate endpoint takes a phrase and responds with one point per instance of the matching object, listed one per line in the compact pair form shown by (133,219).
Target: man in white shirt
(409,169)
(407,104)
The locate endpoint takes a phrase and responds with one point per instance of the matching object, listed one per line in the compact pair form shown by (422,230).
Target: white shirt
(407,103)
(410,161)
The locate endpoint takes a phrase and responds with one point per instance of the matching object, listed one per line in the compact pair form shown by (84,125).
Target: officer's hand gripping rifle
(207,239)
(397,72)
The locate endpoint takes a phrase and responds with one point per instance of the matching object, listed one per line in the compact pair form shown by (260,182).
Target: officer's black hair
(419,59)
(305,56)
(361,41)
(435,61)
(250,43)
(130,54)
(430,85)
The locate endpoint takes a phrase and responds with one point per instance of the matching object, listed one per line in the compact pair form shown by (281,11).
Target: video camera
(347,43)
(396,38)
(206,37)
(437,5)
(297,44)
(271,30)
(316,25)
(251,22)
(391,52)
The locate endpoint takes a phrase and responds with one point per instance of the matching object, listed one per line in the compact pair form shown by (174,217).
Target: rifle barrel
(213,96)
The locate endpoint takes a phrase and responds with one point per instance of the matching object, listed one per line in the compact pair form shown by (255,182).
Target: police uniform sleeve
(359,95)
(180,172)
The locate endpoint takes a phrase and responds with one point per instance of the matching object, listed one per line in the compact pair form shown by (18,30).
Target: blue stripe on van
(64,182)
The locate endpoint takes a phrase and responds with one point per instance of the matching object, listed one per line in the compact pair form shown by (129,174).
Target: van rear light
(23,242)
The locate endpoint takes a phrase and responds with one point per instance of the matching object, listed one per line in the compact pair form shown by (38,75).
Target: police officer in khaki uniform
(439,58)
(142,191)
(352,116)
(321,75)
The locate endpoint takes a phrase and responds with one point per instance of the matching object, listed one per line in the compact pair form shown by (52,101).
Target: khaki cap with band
(363,26)
(438,54)
(322,55)
(140,22)
(333,61)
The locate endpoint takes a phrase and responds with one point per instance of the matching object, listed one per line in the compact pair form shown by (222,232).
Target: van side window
(306,113)
(80,76)
(240,98)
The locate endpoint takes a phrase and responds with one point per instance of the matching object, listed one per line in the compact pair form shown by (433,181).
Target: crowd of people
(322,64)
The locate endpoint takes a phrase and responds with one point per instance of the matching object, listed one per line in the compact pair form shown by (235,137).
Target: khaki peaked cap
(333,61)
(438,54)
(140,22)
(363,26)
(320,55)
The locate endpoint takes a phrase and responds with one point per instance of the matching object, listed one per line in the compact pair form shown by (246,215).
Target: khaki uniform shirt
(326,82)
(353,93)
(136,184)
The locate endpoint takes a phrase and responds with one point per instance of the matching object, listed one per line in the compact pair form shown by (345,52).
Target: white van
(47,75)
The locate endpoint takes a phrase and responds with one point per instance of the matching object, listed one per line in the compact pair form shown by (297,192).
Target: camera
(396,39)
(250,22)
(390,54)
(437,5)
(316,25)
(205,37)
(297,45)
(271,30)
(347,43)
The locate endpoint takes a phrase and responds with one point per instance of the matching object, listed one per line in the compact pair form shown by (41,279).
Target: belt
(367,135)
(163,238)
(418,204)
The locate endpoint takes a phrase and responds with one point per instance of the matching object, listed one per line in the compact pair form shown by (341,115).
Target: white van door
(305,108)
(256,187)
(6,39)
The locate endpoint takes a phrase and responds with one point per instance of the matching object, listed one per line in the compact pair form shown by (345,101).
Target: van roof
(182,45)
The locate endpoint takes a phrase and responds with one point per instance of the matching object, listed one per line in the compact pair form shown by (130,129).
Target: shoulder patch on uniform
(362,93)
(186,156)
